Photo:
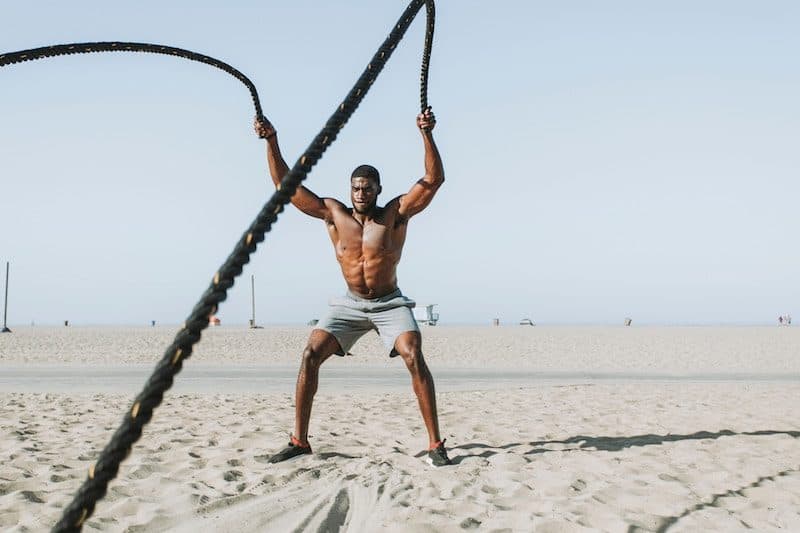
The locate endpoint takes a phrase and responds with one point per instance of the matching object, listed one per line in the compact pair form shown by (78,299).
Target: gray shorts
(351,316)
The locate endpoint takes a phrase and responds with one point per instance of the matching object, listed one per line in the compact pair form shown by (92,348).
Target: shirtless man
(368,241)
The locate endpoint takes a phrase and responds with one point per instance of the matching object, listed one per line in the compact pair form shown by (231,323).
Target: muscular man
(368,241)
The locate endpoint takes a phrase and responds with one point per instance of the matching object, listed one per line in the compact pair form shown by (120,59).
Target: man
(368,241)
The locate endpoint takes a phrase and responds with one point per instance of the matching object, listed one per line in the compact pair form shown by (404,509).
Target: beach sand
(682,429)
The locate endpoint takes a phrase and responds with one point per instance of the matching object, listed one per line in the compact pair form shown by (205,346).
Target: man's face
(364,194)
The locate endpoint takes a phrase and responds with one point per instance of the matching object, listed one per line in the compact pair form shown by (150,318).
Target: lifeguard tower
(424,314)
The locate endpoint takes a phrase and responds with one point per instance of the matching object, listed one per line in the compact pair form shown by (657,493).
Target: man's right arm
(303,199)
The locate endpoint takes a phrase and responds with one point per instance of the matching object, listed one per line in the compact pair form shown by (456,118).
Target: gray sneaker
(438,456)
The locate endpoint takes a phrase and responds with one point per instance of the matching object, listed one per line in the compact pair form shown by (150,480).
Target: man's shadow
(615,444)
(601,443)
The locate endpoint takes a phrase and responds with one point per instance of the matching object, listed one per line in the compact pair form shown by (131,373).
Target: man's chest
(374,236)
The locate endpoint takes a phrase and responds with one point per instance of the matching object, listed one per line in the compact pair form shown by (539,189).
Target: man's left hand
(264,129)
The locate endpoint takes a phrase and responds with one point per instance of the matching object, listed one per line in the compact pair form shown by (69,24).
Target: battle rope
(107,465)
(115,46)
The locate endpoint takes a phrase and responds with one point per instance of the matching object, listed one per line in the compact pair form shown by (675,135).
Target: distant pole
(5,306)
(253,300)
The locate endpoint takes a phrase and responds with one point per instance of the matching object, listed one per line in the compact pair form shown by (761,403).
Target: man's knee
(411,353)
(320,346)
(315,355)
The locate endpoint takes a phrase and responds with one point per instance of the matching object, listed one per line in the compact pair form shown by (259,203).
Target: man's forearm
(434,170)
(277,166)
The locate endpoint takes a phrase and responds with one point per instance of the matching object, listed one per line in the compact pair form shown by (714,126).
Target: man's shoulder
(335,209)
(393,205)
(334,204)
(393,210)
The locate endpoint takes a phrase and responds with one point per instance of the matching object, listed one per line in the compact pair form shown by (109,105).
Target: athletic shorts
(351,316)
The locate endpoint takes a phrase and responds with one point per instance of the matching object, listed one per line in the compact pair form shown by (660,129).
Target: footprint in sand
(33,496)
(142,472)
(578,485)
(91,456)
(119,492)
(232,475)
(222,503)
(266,481)
(488,489)
(470,523)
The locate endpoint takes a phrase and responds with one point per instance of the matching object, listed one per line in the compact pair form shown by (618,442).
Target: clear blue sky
(603,159)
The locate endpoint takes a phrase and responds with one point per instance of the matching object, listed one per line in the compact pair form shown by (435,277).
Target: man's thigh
(346,325)
(393,323)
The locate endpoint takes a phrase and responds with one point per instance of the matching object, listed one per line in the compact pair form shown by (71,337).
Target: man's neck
(362,218)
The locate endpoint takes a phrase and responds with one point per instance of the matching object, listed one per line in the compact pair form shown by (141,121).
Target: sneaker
(293,449)
(438,456)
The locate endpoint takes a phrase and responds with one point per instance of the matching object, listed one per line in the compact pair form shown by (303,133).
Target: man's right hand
(426,120)
(264,129)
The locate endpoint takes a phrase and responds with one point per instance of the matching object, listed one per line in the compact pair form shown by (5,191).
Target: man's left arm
(423,191)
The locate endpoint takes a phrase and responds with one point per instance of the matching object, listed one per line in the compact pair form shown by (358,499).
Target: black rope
(116,46)
(140,412)
(430,12)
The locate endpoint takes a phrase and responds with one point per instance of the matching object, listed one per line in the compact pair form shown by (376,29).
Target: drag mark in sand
(715,500)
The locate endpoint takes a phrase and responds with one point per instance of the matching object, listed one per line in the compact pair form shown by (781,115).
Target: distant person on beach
(368,241)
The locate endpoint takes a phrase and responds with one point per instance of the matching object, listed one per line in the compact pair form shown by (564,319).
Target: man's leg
(321,345)
(409,346)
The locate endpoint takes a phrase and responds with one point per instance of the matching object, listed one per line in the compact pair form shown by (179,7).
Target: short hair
(367,171)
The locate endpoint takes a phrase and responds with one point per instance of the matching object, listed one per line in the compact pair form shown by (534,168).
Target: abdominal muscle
(370,275)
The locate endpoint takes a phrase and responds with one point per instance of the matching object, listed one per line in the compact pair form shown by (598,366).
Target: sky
(603,159)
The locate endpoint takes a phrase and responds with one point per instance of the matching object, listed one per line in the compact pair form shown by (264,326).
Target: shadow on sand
(615,444)
(608,444)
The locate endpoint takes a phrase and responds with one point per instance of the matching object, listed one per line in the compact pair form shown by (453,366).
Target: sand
(621,349)
(622,429)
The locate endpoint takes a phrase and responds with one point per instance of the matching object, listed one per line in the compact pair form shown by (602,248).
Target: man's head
(365,186)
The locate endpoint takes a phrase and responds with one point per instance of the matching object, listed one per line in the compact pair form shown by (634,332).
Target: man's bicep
(418,198)
(310,204)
